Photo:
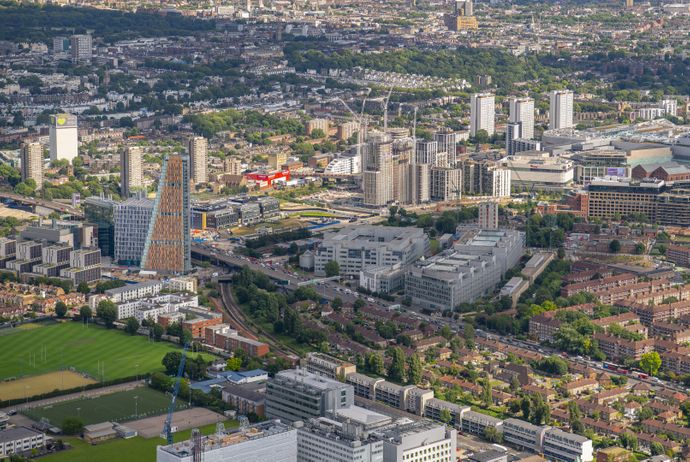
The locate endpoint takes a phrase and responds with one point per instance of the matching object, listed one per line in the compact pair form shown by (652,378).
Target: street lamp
(136,406)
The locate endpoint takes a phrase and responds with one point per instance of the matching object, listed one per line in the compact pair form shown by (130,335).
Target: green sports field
(116,407)
(101,353)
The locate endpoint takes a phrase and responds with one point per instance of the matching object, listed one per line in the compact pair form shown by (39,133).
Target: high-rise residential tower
(561,109)
(131,176)
(198,147)
(168,243)
(81,46)
(522,111)
(32,163)
(482,111)
(64,137)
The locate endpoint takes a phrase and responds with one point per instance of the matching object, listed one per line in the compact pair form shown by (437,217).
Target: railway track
(235,315)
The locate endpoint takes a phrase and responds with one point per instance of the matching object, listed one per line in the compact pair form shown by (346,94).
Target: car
(12,412)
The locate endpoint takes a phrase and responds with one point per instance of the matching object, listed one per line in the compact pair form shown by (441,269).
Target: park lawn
(99,352)
(134,449)
(116,407)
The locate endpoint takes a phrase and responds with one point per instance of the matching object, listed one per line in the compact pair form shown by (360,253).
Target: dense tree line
(36,23)
(457,63)
(249,122)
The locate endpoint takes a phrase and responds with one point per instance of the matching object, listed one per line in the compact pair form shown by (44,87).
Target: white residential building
(198,147)
(32,163)
(561,109)
(131,173)
(488,215)
(521,111)
(64,137)
(482,113)
(563,446)
(134,291)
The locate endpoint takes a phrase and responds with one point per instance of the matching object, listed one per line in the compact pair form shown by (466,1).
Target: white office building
(536,170)
(357,248)
(420,441)
(326,440)
(296,394)
(482,112)
(561,109)
(64,137)
(20,440)
(131,219)
(471,269)
(521,111)
(270,441)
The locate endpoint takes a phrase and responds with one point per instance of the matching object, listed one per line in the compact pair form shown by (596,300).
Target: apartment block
(224,337)
(32,163)
(563,446)
(524,434)
(328,366)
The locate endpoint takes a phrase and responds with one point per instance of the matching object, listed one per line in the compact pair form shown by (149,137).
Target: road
(327,289)
(57,206)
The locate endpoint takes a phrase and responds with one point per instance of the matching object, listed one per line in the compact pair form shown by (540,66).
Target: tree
(615,246)
(487,397)
(171,362)
(574,415)
(629,441)
(158,331)
(481,137)
(337,303)
(132,326)
(445,416)
(657,449)
(72,426)
(514,384)
(60,309)
(468,334)
(414,370)
(492,435)
(374,364)
(650,362)
(359,303)
(233,364)
(396,371)
(332,268)
(85,313)
(107,311)
(84,288)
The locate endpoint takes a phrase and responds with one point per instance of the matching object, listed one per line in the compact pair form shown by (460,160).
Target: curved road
(57,206)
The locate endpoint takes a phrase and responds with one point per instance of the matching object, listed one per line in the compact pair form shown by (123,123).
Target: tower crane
(167,427)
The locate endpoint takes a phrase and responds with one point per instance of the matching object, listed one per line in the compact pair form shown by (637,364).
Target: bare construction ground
(183,420)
